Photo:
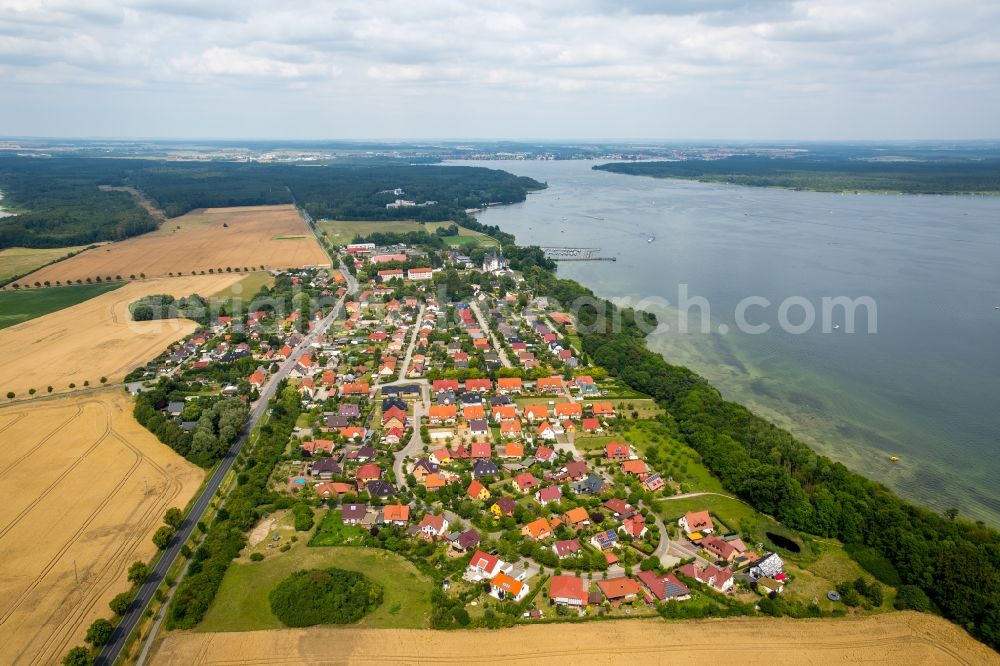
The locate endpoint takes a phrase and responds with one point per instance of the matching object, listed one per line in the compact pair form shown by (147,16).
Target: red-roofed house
(568,590)
(617,590)
(617,451)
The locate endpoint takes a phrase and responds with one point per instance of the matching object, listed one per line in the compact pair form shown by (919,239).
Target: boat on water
(893,458)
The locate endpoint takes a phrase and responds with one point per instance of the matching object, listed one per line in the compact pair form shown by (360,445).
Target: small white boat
(649,240)
(836,326)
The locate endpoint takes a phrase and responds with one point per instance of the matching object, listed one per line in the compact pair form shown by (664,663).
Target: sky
(553,69)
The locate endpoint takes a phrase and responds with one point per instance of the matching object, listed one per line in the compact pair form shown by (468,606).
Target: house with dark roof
(325,468)
(604,540)
(464,542)
(592,485)
(665,587)
(380,488)
(484,469)
(352,514)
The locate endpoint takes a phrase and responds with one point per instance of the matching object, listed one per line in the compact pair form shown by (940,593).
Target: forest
(58,201)
(831,173)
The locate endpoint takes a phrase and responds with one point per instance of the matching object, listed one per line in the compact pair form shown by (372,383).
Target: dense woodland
(955,562)
(830,173)
(59,203)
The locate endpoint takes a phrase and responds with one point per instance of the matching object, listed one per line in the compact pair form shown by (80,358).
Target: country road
(489,331)
(113,649)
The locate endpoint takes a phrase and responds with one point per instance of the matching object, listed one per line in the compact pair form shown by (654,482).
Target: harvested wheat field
(96,338)
(84,486)
(214,238)
(906,639)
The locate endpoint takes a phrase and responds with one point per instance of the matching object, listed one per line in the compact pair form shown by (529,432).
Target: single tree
(138,572)
(99,632)
(78,656)
(31,391)
(10,395)
(162,537)
(120,602)
(49,389)
(173,517)
(104,380)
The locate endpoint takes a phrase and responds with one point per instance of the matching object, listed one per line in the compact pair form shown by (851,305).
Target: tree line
(60,203)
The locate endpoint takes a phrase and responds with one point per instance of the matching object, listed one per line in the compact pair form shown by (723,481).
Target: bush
(303,517)
(324,596)
(120,603)
(173,517)
(256,557)
(138,572)
(99,632)
(163,536)
(78,656)
(911,597)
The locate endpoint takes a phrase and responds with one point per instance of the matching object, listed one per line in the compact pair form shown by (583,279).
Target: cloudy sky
(561,69)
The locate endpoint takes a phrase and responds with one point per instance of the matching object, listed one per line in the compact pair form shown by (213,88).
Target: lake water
(924,387)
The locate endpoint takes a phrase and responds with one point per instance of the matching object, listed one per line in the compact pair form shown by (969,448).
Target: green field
(242,602)
(20,306)
(341,232)
(23,260)
(247,287)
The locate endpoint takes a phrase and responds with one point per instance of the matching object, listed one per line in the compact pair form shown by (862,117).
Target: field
(246,288)
(214,238)
(21,260)
(900,639)
(84,488)
(342,232)
(95,338)
(242,602)
(20,306)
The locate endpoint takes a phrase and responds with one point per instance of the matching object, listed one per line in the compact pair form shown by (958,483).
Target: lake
(922,388)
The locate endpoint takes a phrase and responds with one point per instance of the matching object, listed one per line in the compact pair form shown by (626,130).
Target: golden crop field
(84,488)
(901,639)
(95,338)
(209,239)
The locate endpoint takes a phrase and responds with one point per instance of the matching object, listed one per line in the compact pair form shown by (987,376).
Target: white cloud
(776,59)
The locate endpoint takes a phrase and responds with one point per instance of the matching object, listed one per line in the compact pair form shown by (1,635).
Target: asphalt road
(133,616)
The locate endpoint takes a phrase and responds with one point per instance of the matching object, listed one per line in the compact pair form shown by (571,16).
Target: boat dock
(575,254)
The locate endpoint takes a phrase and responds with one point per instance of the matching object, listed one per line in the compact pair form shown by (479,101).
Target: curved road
(133,616)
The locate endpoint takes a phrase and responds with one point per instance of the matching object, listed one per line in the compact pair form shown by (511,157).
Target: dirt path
(904,639)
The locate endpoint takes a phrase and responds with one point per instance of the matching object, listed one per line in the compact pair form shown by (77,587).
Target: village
(476,430)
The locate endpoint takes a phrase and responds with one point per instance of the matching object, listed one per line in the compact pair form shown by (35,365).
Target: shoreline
(857,192)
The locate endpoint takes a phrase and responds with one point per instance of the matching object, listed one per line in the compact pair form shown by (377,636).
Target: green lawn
(341,232)
(735,514)
(247,287)
(333,532)
(20,306)
(242,602)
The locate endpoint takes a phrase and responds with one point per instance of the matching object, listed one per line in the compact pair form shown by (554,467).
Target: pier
(575,254)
